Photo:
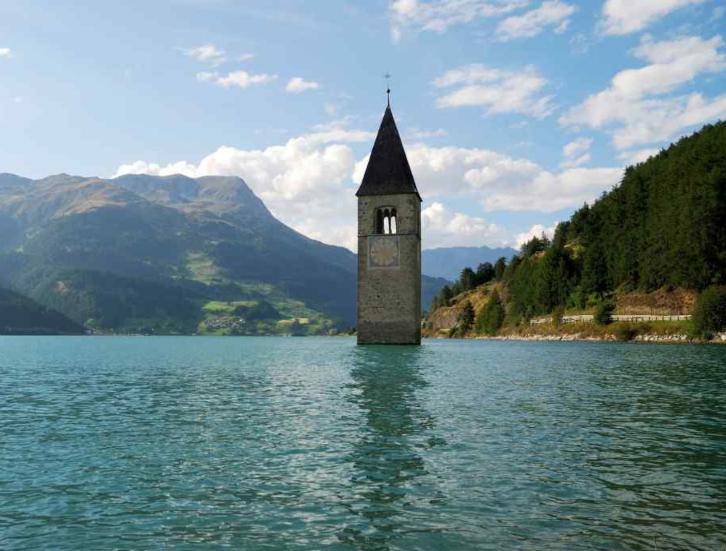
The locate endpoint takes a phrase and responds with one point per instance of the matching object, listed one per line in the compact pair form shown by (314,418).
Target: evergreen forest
(663,225)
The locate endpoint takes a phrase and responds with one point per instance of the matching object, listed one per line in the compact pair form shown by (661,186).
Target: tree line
(468,280)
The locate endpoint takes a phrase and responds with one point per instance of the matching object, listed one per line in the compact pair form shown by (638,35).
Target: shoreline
(576,337)
(719,338)
(669,331)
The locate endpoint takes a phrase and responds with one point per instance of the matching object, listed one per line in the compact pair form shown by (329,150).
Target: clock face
(383,251)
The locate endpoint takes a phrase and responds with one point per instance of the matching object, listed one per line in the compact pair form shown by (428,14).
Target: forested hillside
(20,315)
(663,225)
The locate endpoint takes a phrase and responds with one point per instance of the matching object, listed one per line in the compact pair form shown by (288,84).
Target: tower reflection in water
(390,481)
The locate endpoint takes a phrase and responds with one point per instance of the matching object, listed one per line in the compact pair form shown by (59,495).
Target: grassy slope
(663,301)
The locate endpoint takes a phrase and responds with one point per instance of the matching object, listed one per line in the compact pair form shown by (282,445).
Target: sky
(513,112)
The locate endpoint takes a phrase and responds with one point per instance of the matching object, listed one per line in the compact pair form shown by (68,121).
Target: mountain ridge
(448,262)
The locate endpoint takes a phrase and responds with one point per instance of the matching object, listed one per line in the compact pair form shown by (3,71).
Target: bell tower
(389,244)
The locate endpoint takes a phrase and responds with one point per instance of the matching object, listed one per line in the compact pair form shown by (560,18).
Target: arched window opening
(386,222)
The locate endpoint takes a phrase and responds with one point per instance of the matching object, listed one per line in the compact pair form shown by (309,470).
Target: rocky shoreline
(647,338)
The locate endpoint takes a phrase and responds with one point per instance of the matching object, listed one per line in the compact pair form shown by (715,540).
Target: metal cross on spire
(387,76)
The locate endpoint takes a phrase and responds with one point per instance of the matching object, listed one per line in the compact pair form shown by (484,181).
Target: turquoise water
(314,443)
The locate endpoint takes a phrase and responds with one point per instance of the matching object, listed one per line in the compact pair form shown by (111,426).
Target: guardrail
(580,318)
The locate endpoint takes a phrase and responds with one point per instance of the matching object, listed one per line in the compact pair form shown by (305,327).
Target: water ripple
(265,443)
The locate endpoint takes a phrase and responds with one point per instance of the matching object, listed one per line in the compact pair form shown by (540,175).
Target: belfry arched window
(386,222)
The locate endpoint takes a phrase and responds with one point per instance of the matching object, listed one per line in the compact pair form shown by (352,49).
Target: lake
(314,443)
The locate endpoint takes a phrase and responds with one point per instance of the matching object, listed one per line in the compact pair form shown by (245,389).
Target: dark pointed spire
(388,172)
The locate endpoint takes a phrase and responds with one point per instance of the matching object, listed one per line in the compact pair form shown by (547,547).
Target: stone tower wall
(389,298)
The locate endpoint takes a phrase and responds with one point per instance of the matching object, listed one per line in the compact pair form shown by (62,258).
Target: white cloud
(550,192)
(576,153)
(552,13)
(6,53)
(143,167)
(303,164)
(241,79)
(638,155)
(418,134)
(634,104)
(498,90)
(297,85)
(627,16)
(245,57)
(535,231)
(207,53)
(576,147)
(306,183)
(470,74)
(439,15)
(442,227)
(673,63)
(576,161)
(500,182)
(458,170)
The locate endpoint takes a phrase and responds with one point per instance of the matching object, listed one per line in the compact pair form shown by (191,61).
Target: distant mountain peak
(64,178)
(447,262)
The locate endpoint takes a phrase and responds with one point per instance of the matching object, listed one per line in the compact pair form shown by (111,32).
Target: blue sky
(514,112)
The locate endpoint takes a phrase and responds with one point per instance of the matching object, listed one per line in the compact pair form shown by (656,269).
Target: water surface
(314,443)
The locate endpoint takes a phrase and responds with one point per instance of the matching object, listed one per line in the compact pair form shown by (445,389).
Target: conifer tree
(466,318)
(484,273)
(491,317)
(467,280)
(499,267)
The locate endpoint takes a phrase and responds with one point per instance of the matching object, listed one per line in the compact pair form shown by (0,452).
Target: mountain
(447,262)
(650,244)
(20,315)
(169,254)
